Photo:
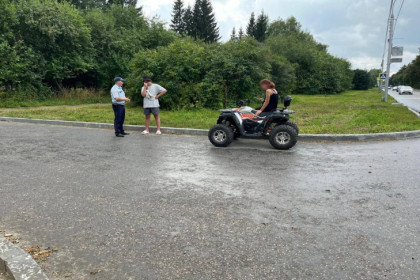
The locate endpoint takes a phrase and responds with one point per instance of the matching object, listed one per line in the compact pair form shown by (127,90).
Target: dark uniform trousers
(119,113)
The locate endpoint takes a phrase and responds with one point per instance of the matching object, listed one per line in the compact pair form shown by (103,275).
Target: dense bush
(202,75)
(361,80)
(49,44)
(316,70)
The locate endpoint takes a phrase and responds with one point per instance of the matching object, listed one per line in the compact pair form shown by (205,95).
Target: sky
(353,29)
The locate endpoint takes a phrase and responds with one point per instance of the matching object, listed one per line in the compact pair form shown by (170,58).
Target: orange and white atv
(243,122)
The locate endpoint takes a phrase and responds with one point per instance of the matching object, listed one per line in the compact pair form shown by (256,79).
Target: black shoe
(125,133)
(119,135)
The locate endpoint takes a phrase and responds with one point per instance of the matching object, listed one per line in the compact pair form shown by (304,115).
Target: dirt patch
(38,254)
(5,276)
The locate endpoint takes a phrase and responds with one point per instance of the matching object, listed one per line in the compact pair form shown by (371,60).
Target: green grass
(349,112)
(65,97)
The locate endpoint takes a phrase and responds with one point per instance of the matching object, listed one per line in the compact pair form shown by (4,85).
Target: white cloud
(365,62)
(151,7)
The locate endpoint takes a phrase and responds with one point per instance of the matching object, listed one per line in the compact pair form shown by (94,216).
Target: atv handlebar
(242,102)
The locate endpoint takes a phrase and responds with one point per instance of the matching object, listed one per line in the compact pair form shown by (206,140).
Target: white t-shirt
(149,100)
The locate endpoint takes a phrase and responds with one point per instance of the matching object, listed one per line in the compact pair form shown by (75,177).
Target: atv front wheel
(221,135)
(292,124)
(283,137)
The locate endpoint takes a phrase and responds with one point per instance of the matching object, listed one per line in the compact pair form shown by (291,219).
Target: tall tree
(233,36)
(286,27)
(361,79)
(241,34)
(189,22)
(177,22)
(261,27)
(197,20)
(250,29)
(207,27)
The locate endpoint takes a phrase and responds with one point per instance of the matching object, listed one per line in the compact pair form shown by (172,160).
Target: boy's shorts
(148,111)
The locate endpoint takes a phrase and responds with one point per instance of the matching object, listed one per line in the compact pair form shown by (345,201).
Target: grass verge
(350,112)
(64,97)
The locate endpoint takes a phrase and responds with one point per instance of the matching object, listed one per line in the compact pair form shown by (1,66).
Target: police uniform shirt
(117,91)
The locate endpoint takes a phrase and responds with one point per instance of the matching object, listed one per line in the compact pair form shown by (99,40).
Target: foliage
(211,76)
(361,79)
(233,36)
(102,4)
(177,23)
(199,22)
(261,27)
(258,28)
(189,22)
(209,32)
(408,75)
(50,45)
(117,34)
(47,46)
(373,77)
(251,28)
(316,70)
(46,40)
(241,34)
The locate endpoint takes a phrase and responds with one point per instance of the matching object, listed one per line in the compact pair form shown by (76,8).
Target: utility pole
(391,35)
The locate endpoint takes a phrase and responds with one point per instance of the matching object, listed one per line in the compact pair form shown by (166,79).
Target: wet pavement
(411,101)
(174,207)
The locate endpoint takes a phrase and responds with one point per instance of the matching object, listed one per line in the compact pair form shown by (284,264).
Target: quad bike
(243,122)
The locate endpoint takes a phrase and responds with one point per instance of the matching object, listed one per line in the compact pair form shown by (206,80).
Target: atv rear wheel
(292,124)
(221,135)
(283,137)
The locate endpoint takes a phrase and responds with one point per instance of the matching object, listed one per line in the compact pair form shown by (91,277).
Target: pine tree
(241,34)
(197,19)
(250,29)
(189,22)
(261,27)
(233,36)
(177,22)
(209,31)
(203,22)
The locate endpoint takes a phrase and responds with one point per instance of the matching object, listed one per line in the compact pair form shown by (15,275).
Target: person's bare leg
(147,122)
(157,118)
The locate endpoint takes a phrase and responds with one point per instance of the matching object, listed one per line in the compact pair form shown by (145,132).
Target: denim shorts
(148,111)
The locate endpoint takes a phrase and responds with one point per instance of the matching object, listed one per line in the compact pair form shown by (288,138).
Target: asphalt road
(174,207)
(411,101)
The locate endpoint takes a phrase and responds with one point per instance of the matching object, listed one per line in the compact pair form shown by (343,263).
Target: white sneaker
(158,132)
(145,132)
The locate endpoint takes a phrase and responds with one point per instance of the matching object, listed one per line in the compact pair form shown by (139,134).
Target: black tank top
(274,101)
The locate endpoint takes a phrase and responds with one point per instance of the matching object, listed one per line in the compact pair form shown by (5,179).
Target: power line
(399,11)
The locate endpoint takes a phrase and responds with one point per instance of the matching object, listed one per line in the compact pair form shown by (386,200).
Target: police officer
(118,102)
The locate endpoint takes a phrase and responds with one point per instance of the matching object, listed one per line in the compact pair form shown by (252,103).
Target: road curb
(204,132)
(18,263)
(414,111)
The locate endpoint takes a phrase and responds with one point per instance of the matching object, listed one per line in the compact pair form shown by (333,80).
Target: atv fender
(233,119)
(278,119)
